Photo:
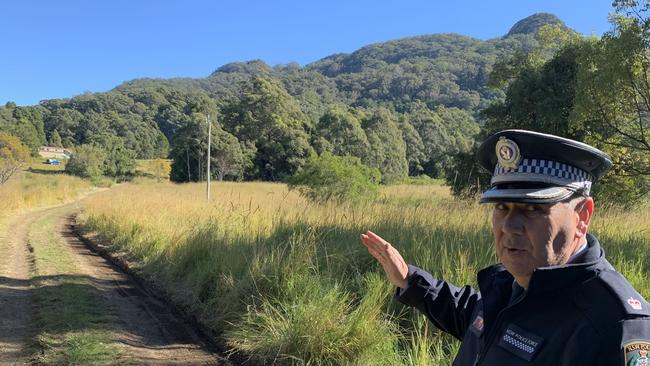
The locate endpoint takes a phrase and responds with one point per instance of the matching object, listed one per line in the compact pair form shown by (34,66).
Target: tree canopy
(406,107)
(588,89)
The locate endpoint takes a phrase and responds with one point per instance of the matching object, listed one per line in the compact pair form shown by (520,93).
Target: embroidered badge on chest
(520,342)
(637,353)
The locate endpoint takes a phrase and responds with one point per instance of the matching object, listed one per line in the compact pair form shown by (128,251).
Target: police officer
(554,299)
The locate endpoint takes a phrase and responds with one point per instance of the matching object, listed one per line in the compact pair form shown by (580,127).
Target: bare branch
(7,169)
(619,130)
(638,92)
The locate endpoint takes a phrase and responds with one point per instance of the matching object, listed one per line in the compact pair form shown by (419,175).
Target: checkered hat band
(542,171)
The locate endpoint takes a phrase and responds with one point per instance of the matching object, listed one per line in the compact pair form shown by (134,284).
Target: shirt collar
(517,290)
(585,263)
(581,249)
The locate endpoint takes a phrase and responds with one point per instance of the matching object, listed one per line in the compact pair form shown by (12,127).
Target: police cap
(533,167)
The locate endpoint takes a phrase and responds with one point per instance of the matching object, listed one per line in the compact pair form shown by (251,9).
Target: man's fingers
(371,248)
(369,242)
(380,248)
(376,238)
(389,257)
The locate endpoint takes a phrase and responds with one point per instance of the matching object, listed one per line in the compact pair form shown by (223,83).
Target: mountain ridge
(526,26)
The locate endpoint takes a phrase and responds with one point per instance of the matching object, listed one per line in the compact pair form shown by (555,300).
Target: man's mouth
(511,250)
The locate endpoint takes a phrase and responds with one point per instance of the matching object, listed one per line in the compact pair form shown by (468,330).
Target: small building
(54,152)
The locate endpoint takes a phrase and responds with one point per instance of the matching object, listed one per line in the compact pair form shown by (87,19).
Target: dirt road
(15,299)
(143,327)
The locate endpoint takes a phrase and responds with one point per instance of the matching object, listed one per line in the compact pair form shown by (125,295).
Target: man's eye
(534,210)
(500,207)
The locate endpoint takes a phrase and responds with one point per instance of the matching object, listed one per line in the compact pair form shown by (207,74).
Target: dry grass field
(286,280)
(39,185)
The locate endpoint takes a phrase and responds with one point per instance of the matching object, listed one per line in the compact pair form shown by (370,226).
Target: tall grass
(158,169)
(625,236)
(29,190)
(287,280)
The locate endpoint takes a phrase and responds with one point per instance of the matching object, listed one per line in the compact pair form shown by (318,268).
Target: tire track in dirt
(15,289)
(148,328)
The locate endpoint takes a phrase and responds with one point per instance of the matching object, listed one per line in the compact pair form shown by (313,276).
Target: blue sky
(58,49)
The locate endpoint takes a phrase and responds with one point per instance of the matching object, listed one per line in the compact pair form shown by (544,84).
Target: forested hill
(439,69)
(409,103)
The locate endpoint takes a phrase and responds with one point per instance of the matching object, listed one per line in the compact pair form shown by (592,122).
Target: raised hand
(394,265)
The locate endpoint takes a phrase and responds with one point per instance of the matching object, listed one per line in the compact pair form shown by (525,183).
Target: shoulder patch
(478,324)
(631,301)
(637,353)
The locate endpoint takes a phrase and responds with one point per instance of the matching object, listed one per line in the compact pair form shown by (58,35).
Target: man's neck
(579,249)
(523,281)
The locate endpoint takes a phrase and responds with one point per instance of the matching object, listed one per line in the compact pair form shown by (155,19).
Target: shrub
(422,180)
(334,177)
(118,160)
(13,154)
(86,162)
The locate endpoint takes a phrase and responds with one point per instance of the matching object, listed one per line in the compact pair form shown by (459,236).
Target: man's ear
(584,211)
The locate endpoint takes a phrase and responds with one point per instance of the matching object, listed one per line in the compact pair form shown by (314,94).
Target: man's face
(528,236)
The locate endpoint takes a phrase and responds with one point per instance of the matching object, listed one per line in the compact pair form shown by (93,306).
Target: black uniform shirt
(583,313)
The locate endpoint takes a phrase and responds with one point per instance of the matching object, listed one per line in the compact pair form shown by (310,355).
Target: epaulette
(598,303)
(631,302)
(608,298)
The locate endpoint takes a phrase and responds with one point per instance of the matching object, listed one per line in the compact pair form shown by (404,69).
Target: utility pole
(207,189)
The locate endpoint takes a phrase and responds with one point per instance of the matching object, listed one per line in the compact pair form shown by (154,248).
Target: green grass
(287,281)
(71,326)
(423,179)
(39,164)
(625,237)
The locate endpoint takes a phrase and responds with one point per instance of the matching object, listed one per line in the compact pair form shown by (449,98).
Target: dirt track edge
(207,335)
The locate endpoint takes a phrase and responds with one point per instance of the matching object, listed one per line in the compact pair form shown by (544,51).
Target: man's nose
(513,222)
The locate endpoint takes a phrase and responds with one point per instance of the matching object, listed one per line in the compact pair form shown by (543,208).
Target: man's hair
(575,199)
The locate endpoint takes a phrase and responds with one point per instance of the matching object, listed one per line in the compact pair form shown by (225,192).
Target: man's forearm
(449,307)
